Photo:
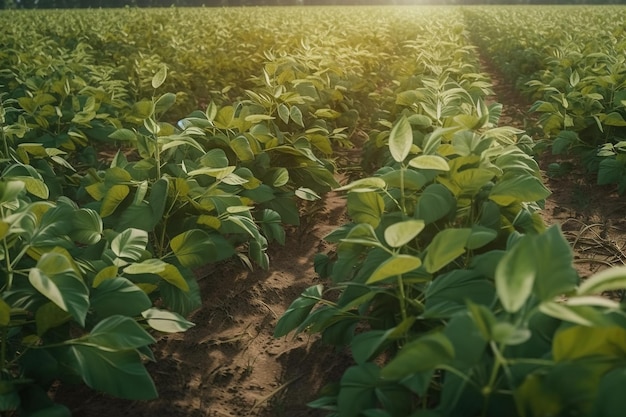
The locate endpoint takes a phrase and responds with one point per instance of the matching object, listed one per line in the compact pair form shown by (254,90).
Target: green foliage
(446,287)
(71,303)
(577,82)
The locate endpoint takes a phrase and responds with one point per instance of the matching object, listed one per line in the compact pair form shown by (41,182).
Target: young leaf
(394,266)
(515,275)
(434,162)
(159,77)
(401,233)
(400,140)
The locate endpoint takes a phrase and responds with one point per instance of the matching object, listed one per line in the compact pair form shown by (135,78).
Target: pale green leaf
(159,78)
(434,162)
(401,233)
(400,140)
(166,321)
(394,266)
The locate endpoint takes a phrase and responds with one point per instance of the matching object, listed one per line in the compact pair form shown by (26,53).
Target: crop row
(446,286)
(576,80)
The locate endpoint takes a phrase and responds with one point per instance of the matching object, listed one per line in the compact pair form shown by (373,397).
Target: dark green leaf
(118,373)
(298,310)
(424,354)
(119,296)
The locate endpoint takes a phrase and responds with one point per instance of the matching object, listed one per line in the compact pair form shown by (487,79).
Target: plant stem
(402,197)
(402,298)
(489,388)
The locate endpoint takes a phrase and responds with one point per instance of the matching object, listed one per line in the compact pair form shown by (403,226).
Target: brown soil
(229,364)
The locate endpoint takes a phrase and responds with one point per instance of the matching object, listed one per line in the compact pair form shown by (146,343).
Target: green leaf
(518,188)
(554,260)
(515,275)
(283,112)
(401,233)
(49,316)
(362,234)
(55,278)
(164,103)
(451,292)
(113,198)
(424,354)
(578,342)
(124,135)
(35,186)
(364,185)
(366,207)
(358,389)
(241,146)
(130,244)
(583,315)
(158,200)
(195,248)
(117,333)
(480,237)
(610,401)
(613,119)
(307,194)
(87,227)
(119,296)
(365,345)
(159,77)
(279,177)
(608,280)
(434,162)
(394,266)
(118,373)
(509,334)
(10,189)
(166,271)
(173,275)
(296,115)
(182,302)
(215,158)
(400,139)
(166,321)
(298,310)
(435,203)
(611,171)
(445,247)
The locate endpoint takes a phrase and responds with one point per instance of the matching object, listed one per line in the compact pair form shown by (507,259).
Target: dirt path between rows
(229,364)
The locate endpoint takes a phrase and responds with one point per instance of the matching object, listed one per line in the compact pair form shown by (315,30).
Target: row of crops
(139,145)
(577,80)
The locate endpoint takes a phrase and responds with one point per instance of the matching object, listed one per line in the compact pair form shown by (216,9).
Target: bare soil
(229,364)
